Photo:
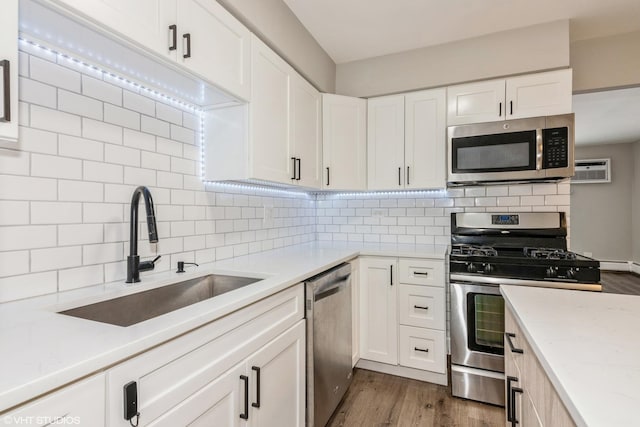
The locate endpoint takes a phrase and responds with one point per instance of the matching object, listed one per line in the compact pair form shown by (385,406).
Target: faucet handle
(148,265)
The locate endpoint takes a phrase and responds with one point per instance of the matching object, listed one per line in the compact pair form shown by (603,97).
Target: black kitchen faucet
(134,266)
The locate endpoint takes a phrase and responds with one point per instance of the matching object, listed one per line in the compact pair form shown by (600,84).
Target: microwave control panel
(555,148)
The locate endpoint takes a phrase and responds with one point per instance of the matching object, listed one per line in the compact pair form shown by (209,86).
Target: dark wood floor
(620,282)
(376,400)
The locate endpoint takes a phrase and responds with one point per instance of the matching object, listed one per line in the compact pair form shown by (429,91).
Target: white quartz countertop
(589,345)
(43,350)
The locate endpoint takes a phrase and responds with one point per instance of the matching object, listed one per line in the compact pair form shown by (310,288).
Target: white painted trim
(634,267)
(401,371)
(615,265)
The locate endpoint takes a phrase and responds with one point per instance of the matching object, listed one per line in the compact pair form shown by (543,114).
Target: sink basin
(131,309)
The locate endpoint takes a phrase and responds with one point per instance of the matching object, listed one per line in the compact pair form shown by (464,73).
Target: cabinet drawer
(422,306)
(422,349)
(416,271)
(81,404)
(173,371)
(515,343)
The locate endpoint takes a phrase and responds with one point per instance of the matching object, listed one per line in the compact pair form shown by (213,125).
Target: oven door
(477,326)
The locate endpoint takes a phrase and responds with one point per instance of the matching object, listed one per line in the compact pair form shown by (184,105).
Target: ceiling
(349,30)
(609,117)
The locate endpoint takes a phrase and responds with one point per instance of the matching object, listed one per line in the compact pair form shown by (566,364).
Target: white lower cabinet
(80,404)
(532,401)
(403,323)
(255,356)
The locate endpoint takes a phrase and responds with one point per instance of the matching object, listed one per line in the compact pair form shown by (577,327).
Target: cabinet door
(425,139)
(82,403)
(270,143)
(9,73)
(476,102)
(344,146)
(220,46)
(305,132)
(541,94)
(144,22)
(355,311)
(385,143)
(378,313)
(278,398)
(219,403)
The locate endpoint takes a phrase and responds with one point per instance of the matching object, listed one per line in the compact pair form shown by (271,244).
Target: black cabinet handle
(514,419)
(187,36)
(130,390)
(6,87)
(299,168)
(256,404)
(511,107)
(420,273)
(391,275)
(421,307)
(399,178)
(245,414)
(509,400)
(500,109)
(408,175)
(513,348)
(424,350)
(174,37)
(294,168)
(328,177)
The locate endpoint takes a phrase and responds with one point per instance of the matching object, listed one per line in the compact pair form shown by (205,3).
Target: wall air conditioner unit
(592,171)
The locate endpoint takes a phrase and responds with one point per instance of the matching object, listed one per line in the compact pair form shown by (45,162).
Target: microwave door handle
(539,149)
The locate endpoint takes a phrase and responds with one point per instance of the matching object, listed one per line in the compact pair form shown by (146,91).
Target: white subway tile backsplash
(28,285)
(74,278)
(190,121)
(497,190)
(78,104)
(155,161)
(121,155)
(14,263)
(34,92)
(55,121)
(27,188)
(139,103)
(140,140)
(13,238)
(520,190)
(80,191)
(102,213)
(102,172)
(80,234)
(137,176)
(101,131)
(166,146)
(14,212)
(38,141)
(102,91)
(184,166)
(14,162)
(56,258)
(169,114)
(169,180)
(121,117)
(44,165)
(56,213)
(53,74)
(103,253)
(155,126)
(71,146)
(182,134)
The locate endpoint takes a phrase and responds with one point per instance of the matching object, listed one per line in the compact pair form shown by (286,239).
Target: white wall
(523,50)
(86,142)
(278,27)
(635,204)
(602,213)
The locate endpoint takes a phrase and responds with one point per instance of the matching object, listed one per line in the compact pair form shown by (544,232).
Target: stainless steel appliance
(539,148)
(329,370)
(490,249)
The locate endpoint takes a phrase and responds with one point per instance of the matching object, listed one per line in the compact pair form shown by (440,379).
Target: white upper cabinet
(406,141)
(532,95)
(9,73)
(269,111)
(541,94)
(425,139)
(385,143)
(306,105)
(344,142)
(200,35)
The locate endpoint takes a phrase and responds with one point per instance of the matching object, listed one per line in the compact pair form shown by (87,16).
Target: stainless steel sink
(131,309)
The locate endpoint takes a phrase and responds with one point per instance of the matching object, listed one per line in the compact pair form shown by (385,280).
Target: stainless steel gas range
(490,249)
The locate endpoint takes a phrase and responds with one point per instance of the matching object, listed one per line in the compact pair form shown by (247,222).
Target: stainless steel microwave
(534,149)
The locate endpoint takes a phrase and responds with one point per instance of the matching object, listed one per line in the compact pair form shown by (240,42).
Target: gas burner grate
(548,253)
(468,250)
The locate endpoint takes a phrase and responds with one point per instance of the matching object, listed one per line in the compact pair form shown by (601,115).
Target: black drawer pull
(421,307)
(256,404)
(328,181)
(245,414)
(174,37)
(294,168)
(187,36)
(391,275)
(420,273)
(513,348)
(424,350)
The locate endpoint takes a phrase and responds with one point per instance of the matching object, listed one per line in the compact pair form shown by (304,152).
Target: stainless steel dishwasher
(329,370)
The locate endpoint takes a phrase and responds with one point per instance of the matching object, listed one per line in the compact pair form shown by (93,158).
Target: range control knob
(552,272)
(571,273)
(472,268)
(488,268)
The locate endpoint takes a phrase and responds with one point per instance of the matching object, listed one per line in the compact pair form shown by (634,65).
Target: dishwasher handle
(331,288)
